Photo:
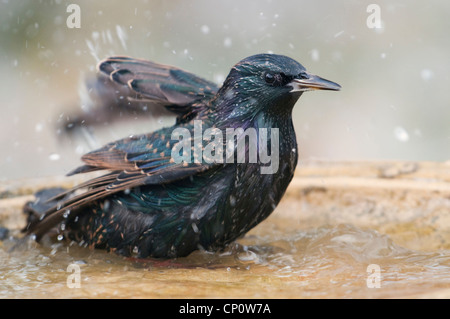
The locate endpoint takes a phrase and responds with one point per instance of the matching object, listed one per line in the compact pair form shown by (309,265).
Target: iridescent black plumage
(151,205)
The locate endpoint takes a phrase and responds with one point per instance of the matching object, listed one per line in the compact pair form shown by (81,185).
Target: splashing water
(323,262)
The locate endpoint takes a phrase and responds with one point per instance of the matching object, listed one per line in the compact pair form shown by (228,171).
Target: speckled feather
(149,205)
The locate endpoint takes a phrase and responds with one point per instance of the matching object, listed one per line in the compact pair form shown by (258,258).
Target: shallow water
(340,261)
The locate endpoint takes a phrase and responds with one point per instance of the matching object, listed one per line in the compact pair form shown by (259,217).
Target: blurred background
(395,101)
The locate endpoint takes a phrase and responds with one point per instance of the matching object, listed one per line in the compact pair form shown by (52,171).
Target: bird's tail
(45,200)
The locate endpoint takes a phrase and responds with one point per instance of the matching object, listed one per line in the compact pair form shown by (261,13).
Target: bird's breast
(254,195)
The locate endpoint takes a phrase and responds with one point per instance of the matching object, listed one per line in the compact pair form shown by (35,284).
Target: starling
(185,187)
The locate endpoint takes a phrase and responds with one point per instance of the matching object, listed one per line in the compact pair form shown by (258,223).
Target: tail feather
(45,200)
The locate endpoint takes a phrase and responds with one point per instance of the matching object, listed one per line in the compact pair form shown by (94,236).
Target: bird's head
(269,83)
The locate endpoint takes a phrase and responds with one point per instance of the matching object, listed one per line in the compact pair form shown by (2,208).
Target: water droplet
(205,29)
(95,35)
(79,149)
(426,74)
(339,34)
(248,256)
(401,134)
(227,42)
(219,78)
(107,204)
(315,56)
(54,157)
(232,200)
(121,34)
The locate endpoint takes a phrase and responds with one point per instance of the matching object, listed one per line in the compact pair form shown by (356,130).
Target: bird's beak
(312,82)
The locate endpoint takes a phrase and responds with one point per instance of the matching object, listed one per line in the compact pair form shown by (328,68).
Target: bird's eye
(303,75)
(270,78)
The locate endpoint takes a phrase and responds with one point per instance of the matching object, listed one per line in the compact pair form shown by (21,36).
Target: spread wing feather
(172,87)
(128,168)
(141,160)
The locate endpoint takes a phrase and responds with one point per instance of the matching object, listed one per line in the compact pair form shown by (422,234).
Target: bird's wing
(174,88)
(132,162)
